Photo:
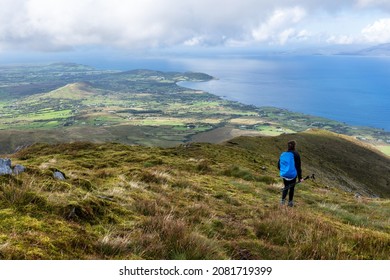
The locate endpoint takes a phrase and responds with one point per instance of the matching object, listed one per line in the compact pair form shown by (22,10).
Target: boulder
(5,166)
(19,169)
(59,175)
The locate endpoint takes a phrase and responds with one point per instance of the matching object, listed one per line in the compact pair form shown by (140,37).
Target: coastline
(347,89)
(283,119)
(169,114)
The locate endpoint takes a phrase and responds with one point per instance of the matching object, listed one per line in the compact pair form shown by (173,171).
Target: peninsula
(66,102)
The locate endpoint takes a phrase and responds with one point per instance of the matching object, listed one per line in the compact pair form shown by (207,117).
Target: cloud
(341,40)
(277,29)
(52,25)
(374,33)
(378,32)
(373,3)
(137,23)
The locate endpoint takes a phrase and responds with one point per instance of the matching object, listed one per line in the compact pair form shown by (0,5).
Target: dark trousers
(289,188)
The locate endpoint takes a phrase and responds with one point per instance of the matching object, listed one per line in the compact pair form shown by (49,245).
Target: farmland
(70,102)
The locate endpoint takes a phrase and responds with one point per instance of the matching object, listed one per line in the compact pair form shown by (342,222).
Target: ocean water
(350,89)
(354,90)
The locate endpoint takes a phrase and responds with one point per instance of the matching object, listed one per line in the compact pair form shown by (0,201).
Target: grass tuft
(17,194)
(170,238)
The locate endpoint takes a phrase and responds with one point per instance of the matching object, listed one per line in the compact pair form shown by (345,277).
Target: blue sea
(350,89)
(354,90)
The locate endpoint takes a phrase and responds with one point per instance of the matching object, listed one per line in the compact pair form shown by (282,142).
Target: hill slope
(195,201)
(337,160)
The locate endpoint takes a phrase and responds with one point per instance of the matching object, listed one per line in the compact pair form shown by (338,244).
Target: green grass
(385,149)
(62,114)
(185,202)
(272,130)
(162,122)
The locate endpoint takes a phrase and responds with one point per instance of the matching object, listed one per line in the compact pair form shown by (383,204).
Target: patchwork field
(69,102)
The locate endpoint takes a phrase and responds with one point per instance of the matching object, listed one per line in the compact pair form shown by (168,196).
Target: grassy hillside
(338,160)
(195,201)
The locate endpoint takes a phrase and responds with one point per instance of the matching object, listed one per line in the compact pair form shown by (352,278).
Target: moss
(255,250)
(204,166)
(90,209)
(240,172)
(83,184)
(56,186)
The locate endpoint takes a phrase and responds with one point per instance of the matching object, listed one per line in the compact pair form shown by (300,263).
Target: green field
(385,149)
(71,98)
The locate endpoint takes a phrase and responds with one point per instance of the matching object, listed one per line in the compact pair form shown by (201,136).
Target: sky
(66,26)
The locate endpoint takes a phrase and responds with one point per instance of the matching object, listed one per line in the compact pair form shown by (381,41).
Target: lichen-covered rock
(5,166)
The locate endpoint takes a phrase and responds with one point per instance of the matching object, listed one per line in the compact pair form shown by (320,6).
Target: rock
(5,166)
(59,175)
(19,169)
(357,195)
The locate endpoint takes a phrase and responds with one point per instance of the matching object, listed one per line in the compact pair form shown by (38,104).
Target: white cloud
(378,32)
(285,35)
(374,33)
(303,35)
(65,24)
(136,23)
(341,40)
(277,29)
(372,3)
(195,41)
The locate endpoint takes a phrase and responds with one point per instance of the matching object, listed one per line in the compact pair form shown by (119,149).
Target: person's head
(291,145)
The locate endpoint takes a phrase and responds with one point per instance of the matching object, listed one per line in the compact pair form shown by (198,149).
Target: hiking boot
(290,203)
(282,201)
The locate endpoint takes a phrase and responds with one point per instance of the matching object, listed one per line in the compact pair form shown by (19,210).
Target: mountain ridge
(338,154)
(377,50)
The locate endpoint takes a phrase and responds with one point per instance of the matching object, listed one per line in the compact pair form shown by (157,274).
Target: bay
(354,90)
(350,89)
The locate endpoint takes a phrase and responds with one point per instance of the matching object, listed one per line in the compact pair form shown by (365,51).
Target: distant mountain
(325,50)
(379,50)
(357,50)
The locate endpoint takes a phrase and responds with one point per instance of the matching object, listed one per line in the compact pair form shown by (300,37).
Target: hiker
(289,165)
